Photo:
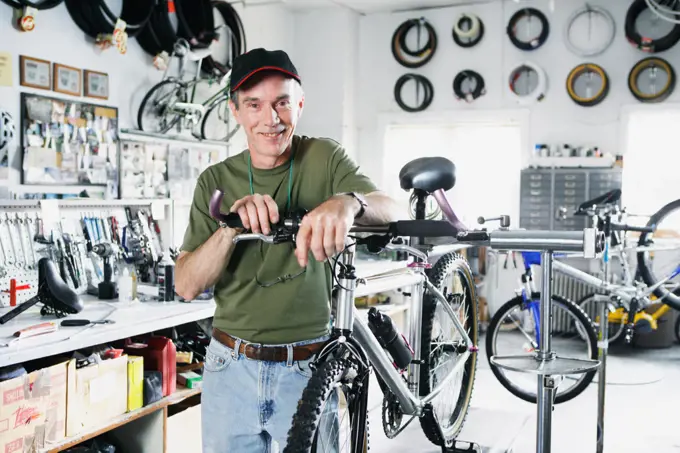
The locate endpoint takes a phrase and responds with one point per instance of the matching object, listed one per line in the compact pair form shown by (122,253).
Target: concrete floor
(641,413)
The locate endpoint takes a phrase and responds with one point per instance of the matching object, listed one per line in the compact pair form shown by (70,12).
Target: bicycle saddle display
(429,174)
(56,296)
(608,198)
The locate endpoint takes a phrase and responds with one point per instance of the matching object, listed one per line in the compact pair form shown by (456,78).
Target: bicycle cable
(419,57)
(653,65)
(589,71)
(644,43)
(421,81)
(590,10)
(663,11)
(474,85)
(473,33)
(534,42)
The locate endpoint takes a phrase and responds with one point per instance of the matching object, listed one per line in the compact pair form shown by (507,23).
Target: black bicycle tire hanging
(201,22)
(536,42)
(421,81)
(197,23)
(462,40)
(651,62)
(479,90)
(400,50)
(40,6)
(577,72)
(641,42)
(94,17)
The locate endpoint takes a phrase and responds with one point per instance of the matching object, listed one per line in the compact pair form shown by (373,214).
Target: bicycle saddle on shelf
(56,296)
(608,198)
(429,174)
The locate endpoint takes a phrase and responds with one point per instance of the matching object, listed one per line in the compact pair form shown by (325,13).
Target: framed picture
(35,73)
(96,84)
(67,80)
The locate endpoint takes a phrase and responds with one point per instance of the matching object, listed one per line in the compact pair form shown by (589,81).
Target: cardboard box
(135,383)
(33,409)
(96,394)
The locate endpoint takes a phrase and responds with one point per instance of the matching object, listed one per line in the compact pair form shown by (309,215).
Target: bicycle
(171,102)
(406,368)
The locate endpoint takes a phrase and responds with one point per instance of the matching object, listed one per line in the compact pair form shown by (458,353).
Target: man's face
(268,112)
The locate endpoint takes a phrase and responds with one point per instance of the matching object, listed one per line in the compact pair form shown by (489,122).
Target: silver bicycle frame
(350,321)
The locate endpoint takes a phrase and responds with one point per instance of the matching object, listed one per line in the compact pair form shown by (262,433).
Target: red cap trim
(264,68)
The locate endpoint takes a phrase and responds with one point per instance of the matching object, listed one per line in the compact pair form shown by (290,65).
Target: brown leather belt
(267,353)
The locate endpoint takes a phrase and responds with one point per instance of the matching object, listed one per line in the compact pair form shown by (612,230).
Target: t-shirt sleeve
(201,224)
(346,176)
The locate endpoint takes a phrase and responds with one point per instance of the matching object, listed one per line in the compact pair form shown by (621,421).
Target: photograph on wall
(67,79)
(34,73)
(68,142)
(96,84)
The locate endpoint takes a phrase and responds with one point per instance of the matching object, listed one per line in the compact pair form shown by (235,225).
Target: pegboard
(62,222)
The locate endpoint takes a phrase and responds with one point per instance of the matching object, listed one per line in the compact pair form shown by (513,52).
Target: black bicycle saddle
(429,174)
(56,296)
(607,198)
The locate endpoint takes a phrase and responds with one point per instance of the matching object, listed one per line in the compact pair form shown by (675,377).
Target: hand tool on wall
(31,239)
(18,221)
(15,260)
(12,291)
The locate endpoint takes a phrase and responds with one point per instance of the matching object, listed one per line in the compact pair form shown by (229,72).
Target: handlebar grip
(232,219)
(624,227)
(473,236)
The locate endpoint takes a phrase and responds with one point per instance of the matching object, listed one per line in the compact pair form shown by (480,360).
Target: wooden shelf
(180,395)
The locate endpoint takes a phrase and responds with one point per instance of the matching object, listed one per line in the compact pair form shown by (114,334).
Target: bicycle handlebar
(588,241)
(624,227)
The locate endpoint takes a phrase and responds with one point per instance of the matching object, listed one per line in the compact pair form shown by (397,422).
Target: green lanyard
(290,179)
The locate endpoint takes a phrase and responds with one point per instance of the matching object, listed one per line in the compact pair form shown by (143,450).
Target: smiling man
(273,301)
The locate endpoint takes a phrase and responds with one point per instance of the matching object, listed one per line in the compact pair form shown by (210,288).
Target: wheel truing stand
(544,362)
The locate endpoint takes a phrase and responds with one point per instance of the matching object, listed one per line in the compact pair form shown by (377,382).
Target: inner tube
(423,82)
(535,42)
(221,64)
(160,34)
(468,96)
(641,42)
(654,63)
(46,4)
(418,57)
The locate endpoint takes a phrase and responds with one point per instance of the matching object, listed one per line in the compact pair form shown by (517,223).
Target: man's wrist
(355,201)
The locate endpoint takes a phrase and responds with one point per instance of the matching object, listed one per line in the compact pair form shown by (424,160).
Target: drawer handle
(535,184)
(569,176)
(535,192)
(570,192)
(536,176)
(570,200)
(569,184)
(534,221)
(535,214)
(535,199)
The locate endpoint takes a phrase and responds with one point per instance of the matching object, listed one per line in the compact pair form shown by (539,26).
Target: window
(650,161)
(488,159)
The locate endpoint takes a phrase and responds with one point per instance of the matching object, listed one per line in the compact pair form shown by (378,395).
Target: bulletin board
(68,142)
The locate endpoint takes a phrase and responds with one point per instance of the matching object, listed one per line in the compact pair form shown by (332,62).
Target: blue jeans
(248,405)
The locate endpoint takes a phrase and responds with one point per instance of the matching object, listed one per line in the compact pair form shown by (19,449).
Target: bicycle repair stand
(544,362)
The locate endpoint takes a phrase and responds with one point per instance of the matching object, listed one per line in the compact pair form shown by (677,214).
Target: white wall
(554,120)
(57,38)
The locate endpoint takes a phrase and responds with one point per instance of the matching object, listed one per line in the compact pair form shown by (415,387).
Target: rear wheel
(512,332)
(155,113)
(218,123)
(452,276)
(662,254)
(616,312)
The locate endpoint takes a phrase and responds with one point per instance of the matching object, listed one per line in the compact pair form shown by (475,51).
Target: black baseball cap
(256,60)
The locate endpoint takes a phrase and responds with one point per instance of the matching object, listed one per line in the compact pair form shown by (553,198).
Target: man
(273,302)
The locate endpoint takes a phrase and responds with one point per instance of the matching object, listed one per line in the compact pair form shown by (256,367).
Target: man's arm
(195,271)
(381,209)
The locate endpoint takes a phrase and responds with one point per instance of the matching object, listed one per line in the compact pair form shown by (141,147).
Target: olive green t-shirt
(299,308)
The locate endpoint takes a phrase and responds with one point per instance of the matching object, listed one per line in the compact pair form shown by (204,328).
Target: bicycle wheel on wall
(155,113)
(452,276)
(659,253)
(218,122)
(512,332)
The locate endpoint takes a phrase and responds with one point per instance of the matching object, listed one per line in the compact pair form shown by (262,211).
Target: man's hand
(324,229)
(257,212)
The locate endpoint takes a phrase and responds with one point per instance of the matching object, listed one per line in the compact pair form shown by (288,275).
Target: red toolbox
(159,355)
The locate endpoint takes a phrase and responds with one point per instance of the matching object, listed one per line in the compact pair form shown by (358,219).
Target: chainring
(391,415)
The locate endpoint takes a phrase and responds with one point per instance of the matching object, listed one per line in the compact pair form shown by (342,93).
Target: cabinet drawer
(533,213)
(531,192)
(559,185)
(605,176)
(546,199)
(536,184)
(527,207)
(575,192)
(560,200)
(600,188)
(534,224)
(579,178)
(536,176)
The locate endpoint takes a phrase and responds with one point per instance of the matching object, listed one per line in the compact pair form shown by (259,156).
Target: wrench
(4,252)
(18,222)
(30,240)
(11,242)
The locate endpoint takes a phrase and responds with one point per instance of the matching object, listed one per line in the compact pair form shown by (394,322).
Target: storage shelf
(180,395)
(141,136)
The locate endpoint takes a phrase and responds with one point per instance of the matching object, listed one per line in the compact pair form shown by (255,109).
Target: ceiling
(365,6)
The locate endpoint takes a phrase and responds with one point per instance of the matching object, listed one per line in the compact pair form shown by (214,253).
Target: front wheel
(331,411)
(156,113)
(512,331)
(441,347)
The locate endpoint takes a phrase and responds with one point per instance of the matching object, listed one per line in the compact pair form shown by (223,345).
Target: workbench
(150,428)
